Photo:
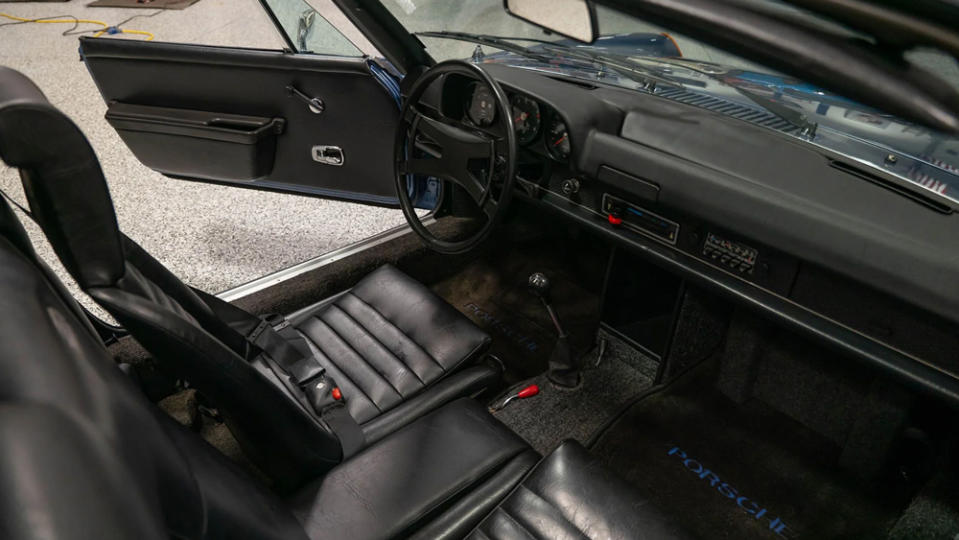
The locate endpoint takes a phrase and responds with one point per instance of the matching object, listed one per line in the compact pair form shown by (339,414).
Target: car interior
(609,326)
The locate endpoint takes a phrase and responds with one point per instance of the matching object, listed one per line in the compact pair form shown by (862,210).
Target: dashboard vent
(728,108)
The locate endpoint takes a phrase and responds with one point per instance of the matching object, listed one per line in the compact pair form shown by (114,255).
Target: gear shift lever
(562,372)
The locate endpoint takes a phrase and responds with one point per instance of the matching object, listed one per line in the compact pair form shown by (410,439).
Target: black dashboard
(788,229)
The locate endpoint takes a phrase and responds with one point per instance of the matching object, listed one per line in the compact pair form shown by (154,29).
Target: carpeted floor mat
(556,414)
(741,471)
(492,292)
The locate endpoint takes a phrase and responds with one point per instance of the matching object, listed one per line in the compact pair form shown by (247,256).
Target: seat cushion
(451,467)
(387,339)
(571,495)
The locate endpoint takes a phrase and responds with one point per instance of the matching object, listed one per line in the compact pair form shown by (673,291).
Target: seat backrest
(69,198)
(83,454)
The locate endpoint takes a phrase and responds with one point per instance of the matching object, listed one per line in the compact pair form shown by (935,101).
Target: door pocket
(198,144)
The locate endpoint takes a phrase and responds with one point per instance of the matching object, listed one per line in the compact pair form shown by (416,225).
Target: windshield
(488,17)
(634,54)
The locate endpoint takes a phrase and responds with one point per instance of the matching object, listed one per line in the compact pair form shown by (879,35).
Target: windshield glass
(635,54)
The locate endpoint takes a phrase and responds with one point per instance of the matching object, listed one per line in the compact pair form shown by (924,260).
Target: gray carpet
(557,414)
(934,512)
(732,470)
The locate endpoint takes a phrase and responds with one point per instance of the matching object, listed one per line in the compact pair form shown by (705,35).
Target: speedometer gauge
(526,118)
(482,109)
(557,138)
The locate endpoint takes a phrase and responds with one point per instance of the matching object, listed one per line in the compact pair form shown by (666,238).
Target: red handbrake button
(529,391)
(613,220)
(337,395)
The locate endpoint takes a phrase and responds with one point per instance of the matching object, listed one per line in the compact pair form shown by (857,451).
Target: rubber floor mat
(735,471)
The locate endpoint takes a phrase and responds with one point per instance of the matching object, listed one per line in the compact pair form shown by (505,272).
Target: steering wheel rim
(456,138)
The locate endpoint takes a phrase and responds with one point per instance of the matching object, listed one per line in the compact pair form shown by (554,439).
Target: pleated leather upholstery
(387,339)
(571,495)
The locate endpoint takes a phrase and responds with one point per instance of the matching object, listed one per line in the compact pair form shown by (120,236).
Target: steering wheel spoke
(491,208)
(474,187)
(455,141)
(434,167)
(441,169)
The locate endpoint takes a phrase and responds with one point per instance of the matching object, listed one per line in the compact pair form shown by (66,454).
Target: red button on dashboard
(613,220)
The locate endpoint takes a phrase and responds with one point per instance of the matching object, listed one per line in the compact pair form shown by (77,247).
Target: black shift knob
(539,285)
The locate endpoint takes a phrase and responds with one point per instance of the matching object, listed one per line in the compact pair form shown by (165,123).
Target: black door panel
(230,115)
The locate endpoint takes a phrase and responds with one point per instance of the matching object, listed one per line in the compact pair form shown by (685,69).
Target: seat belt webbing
(310,376)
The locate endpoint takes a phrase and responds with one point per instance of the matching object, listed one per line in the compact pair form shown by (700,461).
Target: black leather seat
(385,341)
(79,442)
(84,455)
(571,495)
(436,478)
(395,349)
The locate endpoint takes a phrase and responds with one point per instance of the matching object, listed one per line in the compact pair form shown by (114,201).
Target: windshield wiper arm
(632,72)
(615,63)
(491,41)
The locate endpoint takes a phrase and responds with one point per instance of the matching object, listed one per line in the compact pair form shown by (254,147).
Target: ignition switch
(570,187)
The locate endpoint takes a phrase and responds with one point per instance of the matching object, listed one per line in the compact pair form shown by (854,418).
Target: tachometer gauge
(557,138)
(482,109)
(526,118)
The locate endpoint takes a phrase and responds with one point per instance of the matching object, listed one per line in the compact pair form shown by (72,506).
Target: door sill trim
(275,278)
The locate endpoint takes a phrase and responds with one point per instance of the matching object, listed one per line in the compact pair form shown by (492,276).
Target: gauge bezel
(524,141)
(553,153)
(473,89)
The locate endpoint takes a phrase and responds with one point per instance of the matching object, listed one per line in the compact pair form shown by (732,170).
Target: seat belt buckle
(305,377)
(323,393)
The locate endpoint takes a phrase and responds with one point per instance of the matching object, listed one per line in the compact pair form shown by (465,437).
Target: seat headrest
(62,180)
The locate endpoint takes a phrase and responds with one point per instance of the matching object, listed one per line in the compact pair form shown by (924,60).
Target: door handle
(329,155)
(315,104)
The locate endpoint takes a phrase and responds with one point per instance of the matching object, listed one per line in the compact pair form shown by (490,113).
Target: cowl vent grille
(728,108)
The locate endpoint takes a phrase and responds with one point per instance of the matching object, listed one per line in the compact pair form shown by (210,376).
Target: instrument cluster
(537,126)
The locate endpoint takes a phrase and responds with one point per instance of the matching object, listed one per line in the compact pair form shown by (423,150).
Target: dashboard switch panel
(733,255)
(639,219)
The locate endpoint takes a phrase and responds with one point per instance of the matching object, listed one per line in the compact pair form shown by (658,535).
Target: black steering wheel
(470,156)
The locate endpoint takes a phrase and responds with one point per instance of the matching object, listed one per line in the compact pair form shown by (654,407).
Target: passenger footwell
(742,471)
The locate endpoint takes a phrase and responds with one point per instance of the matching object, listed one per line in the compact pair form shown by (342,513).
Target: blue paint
(423,192)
